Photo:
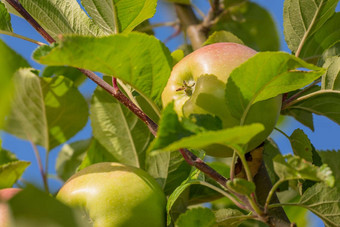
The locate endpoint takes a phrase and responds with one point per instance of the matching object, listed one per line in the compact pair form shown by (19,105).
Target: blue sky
(326,135)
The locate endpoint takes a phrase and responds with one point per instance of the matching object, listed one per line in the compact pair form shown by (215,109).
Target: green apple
(116,195)
(5,214)
(197,86)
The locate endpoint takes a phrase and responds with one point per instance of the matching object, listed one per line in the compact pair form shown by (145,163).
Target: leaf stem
(271,193)
(246,167)
(226,194)
(40,165)
(282,132)
(288,102)
(195,161)
(232,167)
(21,37)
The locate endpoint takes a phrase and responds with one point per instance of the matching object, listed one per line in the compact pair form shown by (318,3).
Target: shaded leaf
(302,18)
(11,172)
(32,207)
(70,157)
(61,17)
(6,156)
(114,16)
(331,158)
(222,36)
(248,21)
(5,19)
(95,153)
(229,217)
(301,145)
(241,186)
(302,116)
(290,167)
(137,59)
(46,111)
(196,217)
(71,73)
(324,102)
(269,152)
(118,130)
(324,202)
(10,61)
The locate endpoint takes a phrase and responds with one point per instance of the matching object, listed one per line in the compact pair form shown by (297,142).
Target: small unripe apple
(197,86)
(5,195)
(116,195)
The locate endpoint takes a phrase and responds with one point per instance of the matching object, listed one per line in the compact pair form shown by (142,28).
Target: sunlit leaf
(114,16)
(137,59)
(5,18)
(290,167)
(324,202)
(196,217)
(61,17)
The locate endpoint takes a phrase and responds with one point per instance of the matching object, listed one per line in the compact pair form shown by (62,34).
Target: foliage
(131,66)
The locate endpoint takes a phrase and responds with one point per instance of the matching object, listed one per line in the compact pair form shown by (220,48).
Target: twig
(288,101)
(193,160)
(41,168)
(21,37)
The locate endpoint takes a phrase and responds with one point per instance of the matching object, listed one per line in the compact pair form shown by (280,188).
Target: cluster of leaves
(46,108)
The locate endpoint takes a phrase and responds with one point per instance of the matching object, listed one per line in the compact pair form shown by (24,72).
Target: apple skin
(197,86)
(5,215)
(116,195)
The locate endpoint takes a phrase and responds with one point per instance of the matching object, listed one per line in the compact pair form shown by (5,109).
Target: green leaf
(269,152)
(186,2)
(96,153)
(331,80)
(46,111)
(114,16)
(196,217)
(71,73)
(324,202)
(137,59)
(331,158)
(11,172)
(222,36)
(301,145)
(6,156)
(302,116)
(70,157)
(324,102)
(229,217)
(10,61)
(61,17)
(32,207)
(264,76)
(241,186)
(324,38)
(5,19)
(290,167)
(248,21)
(302,18)
(118,130)
(177,55)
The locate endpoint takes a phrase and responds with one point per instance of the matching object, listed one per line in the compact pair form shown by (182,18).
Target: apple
(5,215)
(114,194)
(197,86)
